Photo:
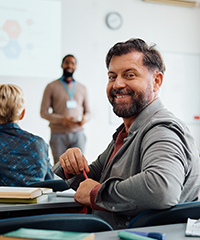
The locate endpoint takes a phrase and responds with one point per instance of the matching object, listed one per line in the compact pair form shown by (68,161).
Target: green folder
(46,234)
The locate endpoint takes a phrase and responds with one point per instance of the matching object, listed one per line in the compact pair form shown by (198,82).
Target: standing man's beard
(126,110)
(67,74)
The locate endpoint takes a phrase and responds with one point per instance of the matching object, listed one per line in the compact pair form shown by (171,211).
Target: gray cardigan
(157,167)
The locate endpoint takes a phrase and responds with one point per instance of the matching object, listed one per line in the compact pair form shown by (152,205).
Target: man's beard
(126,110)
(67,74)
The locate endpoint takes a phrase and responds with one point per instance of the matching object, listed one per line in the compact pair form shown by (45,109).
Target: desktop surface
(54,204)
(172,231)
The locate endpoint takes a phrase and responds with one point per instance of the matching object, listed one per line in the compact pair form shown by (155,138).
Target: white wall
(85,34)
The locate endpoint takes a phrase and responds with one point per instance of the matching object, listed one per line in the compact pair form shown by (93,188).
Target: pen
(155,235)
(85,175)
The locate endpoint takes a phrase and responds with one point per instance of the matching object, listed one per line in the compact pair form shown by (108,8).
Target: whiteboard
(180,91)
(30,38)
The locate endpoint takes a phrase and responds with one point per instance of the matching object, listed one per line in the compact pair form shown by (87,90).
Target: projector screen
(30,38)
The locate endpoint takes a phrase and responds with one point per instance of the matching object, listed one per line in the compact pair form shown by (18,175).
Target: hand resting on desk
(82,195)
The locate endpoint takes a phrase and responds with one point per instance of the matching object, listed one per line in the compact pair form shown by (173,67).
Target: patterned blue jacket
(24,157)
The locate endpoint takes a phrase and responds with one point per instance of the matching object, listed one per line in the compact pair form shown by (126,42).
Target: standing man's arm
(47,104)
(52,117)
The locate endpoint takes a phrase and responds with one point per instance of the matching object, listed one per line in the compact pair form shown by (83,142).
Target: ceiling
(185,3)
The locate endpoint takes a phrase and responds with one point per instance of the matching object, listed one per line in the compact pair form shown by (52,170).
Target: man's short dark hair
(68,55)
(152,58)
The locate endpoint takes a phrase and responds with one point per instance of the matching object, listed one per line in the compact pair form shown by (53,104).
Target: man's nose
(69,65)
(119,83)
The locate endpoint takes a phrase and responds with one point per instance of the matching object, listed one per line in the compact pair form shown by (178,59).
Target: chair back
(177,214)
(63,222)
(56,185)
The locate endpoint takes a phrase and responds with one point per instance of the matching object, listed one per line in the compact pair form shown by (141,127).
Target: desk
(54,204)
(173,232)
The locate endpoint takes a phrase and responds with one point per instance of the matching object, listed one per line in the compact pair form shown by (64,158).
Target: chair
(177,214)
(56,185)
(64,222)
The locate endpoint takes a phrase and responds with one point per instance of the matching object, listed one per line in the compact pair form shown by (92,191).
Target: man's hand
(82,122)
(82,193)
(68,122)
(73,161)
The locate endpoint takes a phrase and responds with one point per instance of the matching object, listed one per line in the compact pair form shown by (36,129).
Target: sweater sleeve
(93,194)
(46,104)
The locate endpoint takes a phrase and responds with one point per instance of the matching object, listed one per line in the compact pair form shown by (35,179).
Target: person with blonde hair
(24,157)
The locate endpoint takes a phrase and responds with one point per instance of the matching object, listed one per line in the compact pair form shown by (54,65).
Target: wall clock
(114,20)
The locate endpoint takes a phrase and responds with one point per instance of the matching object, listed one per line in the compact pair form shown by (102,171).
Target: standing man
(152,161)
(70,110)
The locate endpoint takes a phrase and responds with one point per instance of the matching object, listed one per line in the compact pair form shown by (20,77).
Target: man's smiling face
(130,86)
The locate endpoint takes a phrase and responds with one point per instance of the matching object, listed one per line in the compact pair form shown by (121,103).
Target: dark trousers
(59,143)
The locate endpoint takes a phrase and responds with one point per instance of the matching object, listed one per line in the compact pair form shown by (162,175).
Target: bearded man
(152,161)
(65,105)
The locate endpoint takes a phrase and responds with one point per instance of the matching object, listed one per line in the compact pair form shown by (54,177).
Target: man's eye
(111,78)
(130,75)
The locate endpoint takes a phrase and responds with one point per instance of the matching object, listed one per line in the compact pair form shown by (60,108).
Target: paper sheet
(192,228)
(67,193)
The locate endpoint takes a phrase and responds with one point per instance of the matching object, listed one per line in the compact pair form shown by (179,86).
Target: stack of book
(23,194)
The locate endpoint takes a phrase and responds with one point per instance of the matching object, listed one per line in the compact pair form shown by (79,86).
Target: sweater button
(113,208)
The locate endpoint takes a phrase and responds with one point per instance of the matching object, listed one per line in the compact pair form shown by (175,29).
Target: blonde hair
(12,103)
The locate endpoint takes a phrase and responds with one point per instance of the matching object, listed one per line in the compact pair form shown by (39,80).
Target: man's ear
(22,114)
(158,79)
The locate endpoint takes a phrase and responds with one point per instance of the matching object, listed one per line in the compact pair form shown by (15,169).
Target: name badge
(71,104)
